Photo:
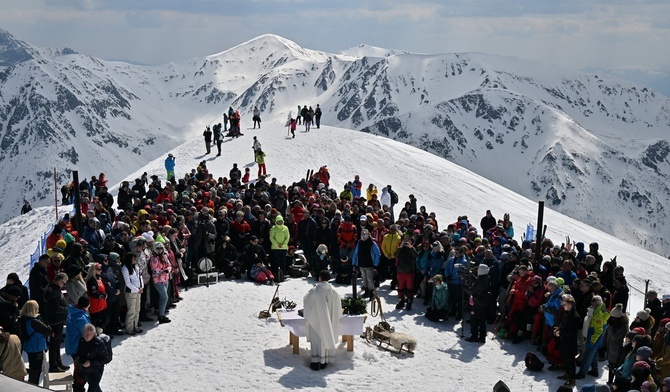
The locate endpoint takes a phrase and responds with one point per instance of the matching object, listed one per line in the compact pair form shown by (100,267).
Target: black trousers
(35,363)
(478,323)
(54,345)
(114,311)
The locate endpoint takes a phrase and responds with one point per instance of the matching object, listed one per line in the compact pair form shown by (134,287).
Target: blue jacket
(435,263)
(552,306)
(568,277)
(76,319)
(451,270)
(170,163)
(37,341)
(374,249)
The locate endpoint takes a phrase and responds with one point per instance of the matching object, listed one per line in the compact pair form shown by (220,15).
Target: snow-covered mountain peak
(269,46)
(364,50)
(14,51)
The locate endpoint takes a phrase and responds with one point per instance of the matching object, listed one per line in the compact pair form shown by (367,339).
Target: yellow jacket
(390,245)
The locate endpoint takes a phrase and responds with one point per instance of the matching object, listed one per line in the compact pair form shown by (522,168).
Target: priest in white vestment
(322,311)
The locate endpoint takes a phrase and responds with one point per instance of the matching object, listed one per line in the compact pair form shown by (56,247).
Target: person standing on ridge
(259,157)
(256,146)
(317,116)
(26,207)
(307,118)
(293,125)
(299,114)
(257,117)
(208,138)
(169,166)
(322,309)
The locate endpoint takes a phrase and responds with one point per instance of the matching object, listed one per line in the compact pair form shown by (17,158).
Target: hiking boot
(323,365)
(408,306)
(56,369)
(554,367)
(145,318)
(566,376)
(315,366)
(64,367)
(481,340)
(163,320)
(401,304)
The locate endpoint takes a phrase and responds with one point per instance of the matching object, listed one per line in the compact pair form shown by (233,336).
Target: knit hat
(664,321)
(640,330)
(483,269)
(631,335)
(642,364)
(113,256)
(73,270)
(537,279)
(617,311)
(643,314)
(644,353)
(666,383)
(560,281)
(69,238)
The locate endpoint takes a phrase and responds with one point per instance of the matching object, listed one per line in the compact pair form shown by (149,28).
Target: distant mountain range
(593,146)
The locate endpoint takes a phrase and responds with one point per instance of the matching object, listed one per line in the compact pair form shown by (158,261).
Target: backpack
(394,196)
(533,363)
(108,345)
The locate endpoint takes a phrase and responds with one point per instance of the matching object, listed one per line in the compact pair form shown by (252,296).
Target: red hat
(640,331)
(290,248)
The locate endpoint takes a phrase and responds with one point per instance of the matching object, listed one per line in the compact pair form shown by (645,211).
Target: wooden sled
(389,340)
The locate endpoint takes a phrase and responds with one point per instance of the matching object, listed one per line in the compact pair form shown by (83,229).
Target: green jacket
(279,236)
(597,325)
(440,299)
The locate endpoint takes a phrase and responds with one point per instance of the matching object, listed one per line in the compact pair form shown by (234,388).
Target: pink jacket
(160,268)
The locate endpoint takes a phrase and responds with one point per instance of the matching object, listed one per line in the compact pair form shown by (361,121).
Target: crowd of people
(131,258)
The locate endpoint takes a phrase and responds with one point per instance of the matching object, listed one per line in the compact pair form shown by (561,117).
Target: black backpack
(533,363)
(394,197)
(108,345)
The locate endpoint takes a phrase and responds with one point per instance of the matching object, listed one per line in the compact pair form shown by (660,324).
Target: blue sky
(570,33)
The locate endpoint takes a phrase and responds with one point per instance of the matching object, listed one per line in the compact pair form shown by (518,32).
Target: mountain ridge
(547,132)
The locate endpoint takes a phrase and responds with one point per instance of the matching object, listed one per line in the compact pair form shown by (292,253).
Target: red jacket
(519,292)
(52,239)
(347,235)
(97,293)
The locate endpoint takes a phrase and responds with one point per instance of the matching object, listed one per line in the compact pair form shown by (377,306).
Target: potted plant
(354,306)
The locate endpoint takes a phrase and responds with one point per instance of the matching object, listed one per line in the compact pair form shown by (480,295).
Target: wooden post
(354,289)
(56,194)
(538,234)
(77,203)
